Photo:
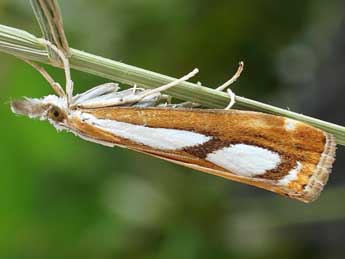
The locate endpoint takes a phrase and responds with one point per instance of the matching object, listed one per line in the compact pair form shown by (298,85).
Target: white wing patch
(245,160)
(158,138)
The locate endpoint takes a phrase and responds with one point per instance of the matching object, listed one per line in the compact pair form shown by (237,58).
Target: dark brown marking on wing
(206,148)
(283,169)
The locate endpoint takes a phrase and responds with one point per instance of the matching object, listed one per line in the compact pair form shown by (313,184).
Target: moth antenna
(233,78)
(55,85)
(67,68)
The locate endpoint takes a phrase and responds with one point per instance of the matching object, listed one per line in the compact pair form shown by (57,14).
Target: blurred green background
(62,197)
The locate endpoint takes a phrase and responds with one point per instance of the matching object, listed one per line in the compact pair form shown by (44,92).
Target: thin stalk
(49,18)
(25,45)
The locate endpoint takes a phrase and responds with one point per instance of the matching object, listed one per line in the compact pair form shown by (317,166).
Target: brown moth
(271,152)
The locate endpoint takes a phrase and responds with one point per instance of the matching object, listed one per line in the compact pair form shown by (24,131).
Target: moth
(271,152)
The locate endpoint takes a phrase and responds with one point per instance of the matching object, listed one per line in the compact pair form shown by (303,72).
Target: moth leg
(220,88)
(167,98)
(67,68)
(168,103)
(230,82)
(55,85)
(233,78)
(146,93)
(135,89)
(145,98)
(232,99)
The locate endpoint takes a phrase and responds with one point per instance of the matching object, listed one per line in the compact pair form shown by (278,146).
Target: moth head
(51,107)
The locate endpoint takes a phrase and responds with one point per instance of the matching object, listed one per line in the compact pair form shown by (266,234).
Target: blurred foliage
(62,197)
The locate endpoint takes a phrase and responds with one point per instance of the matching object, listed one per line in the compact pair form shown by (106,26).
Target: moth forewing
(270,152)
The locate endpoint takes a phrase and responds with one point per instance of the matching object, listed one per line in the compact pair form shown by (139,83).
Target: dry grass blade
(49,18)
